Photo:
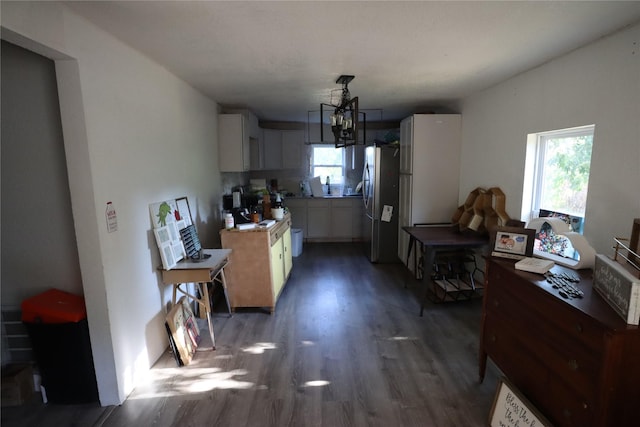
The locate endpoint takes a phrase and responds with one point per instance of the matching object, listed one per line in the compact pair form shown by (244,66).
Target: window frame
(342,166)
(535,161)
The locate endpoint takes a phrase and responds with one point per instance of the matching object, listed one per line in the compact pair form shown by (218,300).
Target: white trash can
(296,241)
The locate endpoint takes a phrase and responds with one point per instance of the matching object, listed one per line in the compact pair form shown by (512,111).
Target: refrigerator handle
(365,185)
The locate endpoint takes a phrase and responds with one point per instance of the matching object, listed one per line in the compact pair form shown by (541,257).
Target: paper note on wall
(387,213)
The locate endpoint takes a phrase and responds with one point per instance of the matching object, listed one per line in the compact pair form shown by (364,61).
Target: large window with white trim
(557,172)
(556,182)
(328,161)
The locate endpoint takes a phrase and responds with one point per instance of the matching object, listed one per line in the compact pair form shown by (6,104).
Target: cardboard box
(17,384)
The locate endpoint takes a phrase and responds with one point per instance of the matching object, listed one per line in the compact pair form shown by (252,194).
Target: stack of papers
(247,226)
(534,265)
(266,223)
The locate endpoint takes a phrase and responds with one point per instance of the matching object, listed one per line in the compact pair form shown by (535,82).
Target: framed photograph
(173,231)
(178,250)
(191,322)
(510,408)
(163,236)
(184,212)
(166,254)
(179,333)
(512,242)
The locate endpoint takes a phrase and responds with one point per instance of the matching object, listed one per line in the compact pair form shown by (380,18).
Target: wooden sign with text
(618,287)
(511,409)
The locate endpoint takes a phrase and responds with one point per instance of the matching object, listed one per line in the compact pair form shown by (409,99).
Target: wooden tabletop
(218,256)
(189,271)
(446,235)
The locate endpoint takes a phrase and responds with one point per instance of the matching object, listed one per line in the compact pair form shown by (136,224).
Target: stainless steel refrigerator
(380,187)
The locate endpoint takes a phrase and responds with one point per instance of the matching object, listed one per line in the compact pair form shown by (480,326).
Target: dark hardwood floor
(345,347)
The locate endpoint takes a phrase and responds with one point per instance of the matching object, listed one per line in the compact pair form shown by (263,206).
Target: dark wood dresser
(576,360)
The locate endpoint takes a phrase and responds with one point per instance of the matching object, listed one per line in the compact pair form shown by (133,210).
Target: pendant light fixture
(345,123)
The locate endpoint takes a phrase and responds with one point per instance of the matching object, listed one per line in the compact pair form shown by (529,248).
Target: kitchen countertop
(351,196)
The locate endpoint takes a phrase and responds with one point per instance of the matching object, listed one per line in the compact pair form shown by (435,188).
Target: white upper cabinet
(292,148)
(272,148)
(233,143)
(257,153)
(283,149)
(406,145)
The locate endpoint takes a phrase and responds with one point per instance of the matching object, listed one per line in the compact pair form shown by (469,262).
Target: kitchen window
(328,161)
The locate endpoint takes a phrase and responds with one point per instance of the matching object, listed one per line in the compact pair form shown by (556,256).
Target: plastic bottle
(229,223)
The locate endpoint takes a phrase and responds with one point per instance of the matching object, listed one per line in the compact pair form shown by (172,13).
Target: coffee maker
(238,205)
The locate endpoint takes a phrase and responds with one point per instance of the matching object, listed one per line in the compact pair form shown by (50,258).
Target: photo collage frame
(168,218)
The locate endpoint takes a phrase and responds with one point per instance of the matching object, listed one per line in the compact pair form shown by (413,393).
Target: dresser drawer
(527,364)
(570,360)
(566,408)
(569,323)
(511,354)
(575,360)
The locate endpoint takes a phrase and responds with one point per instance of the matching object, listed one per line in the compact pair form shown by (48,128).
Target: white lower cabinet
(328,220)
(357,219)
(318,218)
(341,226)
(298,210)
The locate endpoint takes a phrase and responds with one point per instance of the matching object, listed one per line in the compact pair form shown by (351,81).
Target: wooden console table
(201,273)
(575,359)
(433,239)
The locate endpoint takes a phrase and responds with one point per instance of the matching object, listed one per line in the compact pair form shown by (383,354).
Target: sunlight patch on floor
(260,347)
(401,338)
(186,380)
(219,380)
(316,383)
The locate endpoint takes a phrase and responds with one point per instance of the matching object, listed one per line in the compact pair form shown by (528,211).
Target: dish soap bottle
(328,187)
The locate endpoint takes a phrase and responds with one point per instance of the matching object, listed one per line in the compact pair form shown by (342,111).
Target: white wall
(597,84)
(36,256)
(134,134)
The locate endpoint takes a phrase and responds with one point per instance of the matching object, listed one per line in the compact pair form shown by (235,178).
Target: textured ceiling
(281,59)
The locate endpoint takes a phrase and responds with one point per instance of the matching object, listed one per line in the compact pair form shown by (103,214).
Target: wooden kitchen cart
(575,359)
(261,261)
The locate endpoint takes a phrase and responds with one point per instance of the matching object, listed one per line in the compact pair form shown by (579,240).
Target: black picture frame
(512,242)
(182,204)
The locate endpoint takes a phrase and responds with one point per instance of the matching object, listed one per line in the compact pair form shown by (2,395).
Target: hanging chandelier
(345,123)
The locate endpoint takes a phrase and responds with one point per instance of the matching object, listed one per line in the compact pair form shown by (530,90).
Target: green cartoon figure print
(163,211)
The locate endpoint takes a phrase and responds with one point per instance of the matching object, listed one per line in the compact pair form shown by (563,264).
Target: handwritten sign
(510,409)
(618,287)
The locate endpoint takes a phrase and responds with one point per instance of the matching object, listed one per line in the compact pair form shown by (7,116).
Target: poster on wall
(166,225)
(163,213)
